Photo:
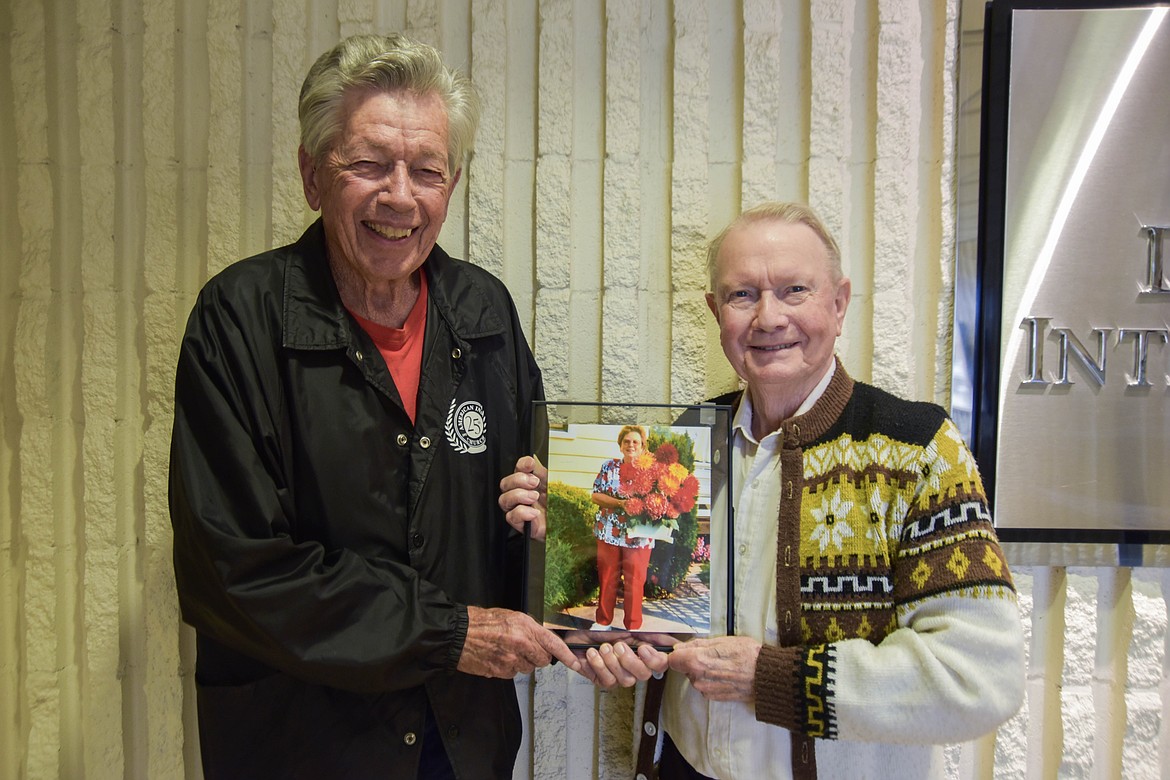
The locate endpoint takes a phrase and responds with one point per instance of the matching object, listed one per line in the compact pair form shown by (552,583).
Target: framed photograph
(633,493)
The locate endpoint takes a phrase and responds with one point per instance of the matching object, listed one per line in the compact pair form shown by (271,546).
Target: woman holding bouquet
(619,557)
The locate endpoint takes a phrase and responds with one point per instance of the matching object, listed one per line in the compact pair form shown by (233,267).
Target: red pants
(628,564)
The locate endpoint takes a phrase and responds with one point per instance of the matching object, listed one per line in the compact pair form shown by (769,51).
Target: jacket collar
(315,318)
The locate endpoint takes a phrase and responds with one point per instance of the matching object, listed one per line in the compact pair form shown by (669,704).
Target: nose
(398,191)
(771,312)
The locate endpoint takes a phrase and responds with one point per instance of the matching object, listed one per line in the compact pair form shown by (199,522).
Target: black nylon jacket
(324,547)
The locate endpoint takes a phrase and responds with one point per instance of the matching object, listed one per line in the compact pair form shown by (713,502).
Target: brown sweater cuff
(776,687)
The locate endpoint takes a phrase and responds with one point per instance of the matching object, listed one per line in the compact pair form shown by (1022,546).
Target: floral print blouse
(610,524)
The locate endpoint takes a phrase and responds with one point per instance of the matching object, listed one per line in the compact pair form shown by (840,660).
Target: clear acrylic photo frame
(561,578)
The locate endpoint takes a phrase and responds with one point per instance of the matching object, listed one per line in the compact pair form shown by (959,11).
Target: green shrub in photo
(570,575)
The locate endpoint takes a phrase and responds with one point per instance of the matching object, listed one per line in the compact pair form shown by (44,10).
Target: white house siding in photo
(145,145)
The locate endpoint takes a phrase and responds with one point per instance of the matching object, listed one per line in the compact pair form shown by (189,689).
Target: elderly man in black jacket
(345,407)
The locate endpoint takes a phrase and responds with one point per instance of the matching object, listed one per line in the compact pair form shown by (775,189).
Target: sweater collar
(802,429)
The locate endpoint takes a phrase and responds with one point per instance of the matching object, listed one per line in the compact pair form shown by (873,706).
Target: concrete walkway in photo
(680,615)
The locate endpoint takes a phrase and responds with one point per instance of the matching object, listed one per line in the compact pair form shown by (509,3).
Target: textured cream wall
(145,145)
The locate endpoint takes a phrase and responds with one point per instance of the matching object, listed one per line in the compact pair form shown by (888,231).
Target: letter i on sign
(1155,276)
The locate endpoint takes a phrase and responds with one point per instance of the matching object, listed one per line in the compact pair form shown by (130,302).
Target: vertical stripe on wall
(13,555)
(690,223)
(256,132)
(558,312)
(120,284)
(626,362)
(937,173)
(178,125)
(64,417)
(775,101)
(895,148)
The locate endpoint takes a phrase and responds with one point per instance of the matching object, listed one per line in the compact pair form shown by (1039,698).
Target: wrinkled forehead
(365,113)
(761,247)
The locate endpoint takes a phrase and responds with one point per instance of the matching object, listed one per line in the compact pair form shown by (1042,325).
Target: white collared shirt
(724,739)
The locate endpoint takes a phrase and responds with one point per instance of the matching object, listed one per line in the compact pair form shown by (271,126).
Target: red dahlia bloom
(666,453)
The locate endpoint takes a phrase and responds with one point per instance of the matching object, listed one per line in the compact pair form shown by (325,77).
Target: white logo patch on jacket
(467,427)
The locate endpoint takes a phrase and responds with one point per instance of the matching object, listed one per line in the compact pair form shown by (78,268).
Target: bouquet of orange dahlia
(657,488)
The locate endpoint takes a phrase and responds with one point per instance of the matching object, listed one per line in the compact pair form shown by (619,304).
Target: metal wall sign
(1071,416)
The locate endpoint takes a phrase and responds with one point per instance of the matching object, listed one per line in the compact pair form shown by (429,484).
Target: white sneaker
(600,627)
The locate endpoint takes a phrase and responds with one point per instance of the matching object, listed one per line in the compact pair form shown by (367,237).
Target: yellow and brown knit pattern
(891,512)
(885,522)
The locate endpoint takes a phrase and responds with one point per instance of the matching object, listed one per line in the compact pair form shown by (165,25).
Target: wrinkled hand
(722,668)
(502,643)
(524,496)
(622,665)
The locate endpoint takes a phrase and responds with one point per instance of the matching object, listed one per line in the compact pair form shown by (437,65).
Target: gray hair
(777,211)
(385,63)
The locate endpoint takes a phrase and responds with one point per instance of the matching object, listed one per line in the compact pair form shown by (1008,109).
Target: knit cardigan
(897,617)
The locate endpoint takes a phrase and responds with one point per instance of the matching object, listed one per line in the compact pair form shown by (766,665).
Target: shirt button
(456,353)
(425,442)
(410,738)
(453,732)
(650,728)
(416,540)
(743,549)
(402,440)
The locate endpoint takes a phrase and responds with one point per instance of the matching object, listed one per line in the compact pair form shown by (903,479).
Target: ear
(712,305)
(309,178)
(841,300)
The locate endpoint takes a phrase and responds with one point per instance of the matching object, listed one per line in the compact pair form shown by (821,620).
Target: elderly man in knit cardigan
(876,619)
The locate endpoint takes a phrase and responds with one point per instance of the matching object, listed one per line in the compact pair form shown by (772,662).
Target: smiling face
(383,189)
(631,445)
(779,310)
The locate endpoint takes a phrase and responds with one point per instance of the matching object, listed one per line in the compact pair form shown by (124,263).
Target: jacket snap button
(410,738)
(402,440)
(358,354)
(425,442)
(456,353)
(650,729)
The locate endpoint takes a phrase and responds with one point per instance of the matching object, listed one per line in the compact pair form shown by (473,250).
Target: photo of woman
(627,546)
(621,559)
